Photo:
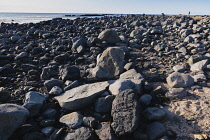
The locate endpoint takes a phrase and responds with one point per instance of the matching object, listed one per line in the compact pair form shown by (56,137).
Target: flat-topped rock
(81,96)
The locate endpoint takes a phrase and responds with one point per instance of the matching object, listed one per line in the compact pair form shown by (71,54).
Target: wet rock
(155,130)
(176,93)
(11,117)
(104,104)
(110,36)
(49,84)
(112,59)
(125,113)
(33,102)
(105,132)
(81,96)
(72,120)
(70,73)
(153,113)
(178,80)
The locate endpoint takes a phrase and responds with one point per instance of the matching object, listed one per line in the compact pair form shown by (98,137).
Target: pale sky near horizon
(196,7)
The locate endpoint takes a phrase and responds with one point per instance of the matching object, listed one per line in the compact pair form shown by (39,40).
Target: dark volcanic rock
(110,36)
(70,73)
(153,113)
(11,117)
(155,130)
(4,95)
(33,102)
(125,112)
(104,104)
(49,84)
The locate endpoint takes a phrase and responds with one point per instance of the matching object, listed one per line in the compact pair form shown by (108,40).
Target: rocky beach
(133,77)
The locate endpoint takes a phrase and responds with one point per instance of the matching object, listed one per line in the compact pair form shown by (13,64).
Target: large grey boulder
(178,80)
(110,36)
(125,113)
(81,96)
(72,120)
(11,117)
(112,59)
(33,102)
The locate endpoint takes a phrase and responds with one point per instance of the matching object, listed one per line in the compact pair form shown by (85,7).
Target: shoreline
(81,15)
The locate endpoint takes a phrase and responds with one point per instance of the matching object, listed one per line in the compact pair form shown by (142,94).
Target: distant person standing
(189,13)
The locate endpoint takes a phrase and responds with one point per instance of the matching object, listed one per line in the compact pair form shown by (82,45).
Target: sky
(196,7)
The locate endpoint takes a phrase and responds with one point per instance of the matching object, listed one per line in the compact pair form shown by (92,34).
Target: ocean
(36,17)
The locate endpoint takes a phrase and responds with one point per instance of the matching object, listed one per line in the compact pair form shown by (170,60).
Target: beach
(117,77)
